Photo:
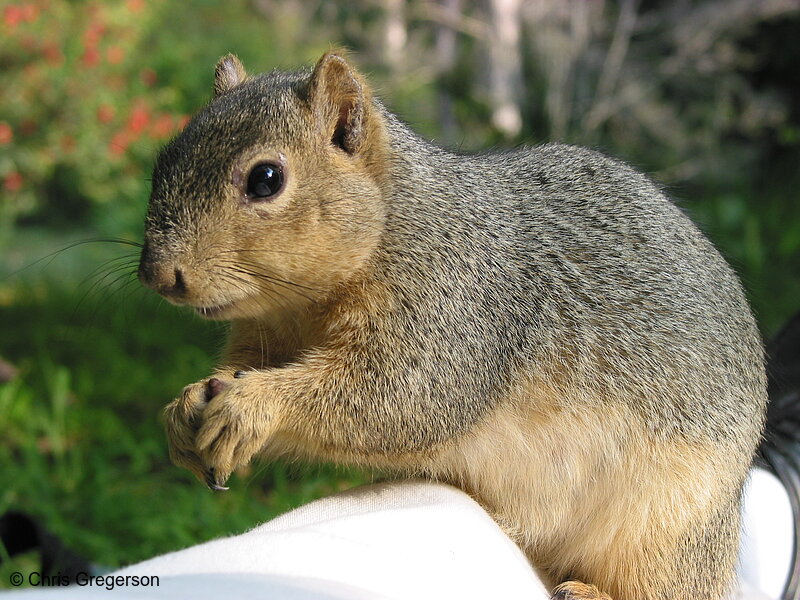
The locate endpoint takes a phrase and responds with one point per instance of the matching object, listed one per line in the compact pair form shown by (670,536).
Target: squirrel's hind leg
(576,590)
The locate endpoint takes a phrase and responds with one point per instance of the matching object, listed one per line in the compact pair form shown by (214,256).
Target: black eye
(264,180)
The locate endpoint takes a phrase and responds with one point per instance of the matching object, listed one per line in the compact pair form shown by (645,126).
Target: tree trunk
(446,55)
(395,35)
(505,65)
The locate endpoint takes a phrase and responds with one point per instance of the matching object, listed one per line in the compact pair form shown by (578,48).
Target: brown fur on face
(256,258)
(541,327)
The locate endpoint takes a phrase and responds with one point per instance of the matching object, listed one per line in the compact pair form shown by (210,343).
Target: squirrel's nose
(161,275)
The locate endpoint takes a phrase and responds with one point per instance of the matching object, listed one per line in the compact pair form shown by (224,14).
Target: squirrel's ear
(340,100)
(228,73)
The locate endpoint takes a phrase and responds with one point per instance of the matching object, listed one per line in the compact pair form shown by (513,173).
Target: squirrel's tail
(780,448)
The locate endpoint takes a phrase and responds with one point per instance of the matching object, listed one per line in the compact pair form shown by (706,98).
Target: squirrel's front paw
(235,425)
(182,418)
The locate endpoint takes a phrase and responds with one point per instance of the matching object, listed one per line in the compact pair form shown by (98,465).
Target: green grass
(82,445)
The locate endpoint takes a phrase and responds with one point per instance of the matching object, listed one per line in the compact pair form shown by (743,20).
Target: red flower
(119,143)
(135,6)
(68,143)
(6,133)
(91,57)
(163,126)
(29,12)
(13,181)
(93,34)
(115,55)
(105,113)
(138,120)
(13,16)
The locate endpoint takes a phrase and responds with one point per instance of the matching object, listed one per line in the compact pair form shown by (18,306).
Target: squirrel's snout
(160,275)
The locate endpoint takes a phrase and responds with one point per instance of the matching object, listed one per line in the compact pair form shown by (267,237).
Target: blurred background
(702,94)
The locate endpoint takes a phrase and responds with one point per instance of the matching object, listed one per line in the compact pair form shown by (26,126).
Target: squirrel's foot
(575,590)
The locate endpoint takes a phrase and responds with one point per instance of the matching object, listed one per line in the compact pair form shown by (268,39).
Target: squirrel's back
(564,258)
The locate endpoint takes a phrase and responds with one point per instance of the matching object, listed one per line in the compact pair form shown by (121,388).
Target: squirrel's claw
(212,483)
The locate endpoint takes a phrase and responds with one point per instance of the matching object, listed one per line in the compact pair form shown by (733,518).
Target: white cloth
(767,542)
(403,541)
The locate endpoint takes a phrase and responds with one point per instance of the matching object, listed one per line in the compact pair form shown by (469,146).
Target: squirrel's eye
(264,180)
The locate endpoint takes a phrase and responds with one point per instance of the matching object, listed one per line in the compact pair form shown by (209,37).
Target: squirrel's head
(271,196)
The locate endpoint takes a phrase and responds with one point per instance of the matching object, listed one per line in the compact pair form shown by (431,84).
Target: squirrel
(541,327)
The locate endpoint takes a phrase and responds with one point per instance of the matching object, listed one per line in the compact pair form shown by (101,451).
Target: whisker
(129,261)
(52,255)
(118,273)
(292,287)
(256,272)
(265,251)
(249,288)
(267,272)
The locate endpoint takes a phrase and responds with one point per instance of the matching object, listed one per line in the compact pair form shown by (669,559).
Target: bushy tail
(780,449)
